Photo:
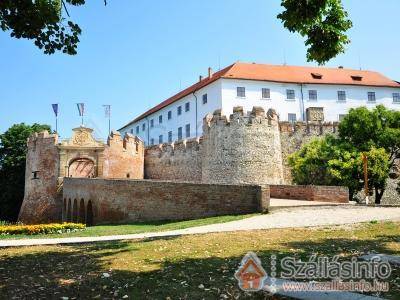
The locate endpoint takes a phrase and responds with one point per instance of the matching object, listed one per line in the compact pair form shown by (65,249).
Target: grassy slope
(173,268)
(103,230)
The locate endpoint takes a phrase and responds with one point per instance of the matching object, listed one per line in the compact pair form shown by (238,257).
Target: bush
(40,229)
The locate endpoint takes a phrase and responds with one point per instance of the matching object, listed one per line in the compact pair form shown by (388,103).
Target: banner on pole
(107,110)
(81,108)
(55,109)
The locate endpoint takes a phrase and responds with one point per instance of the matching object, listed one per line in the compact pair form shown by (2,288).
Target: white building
(290,90)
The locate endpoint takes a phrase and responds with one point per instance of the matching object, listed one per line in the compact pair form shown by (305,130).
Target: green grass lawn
(182,267)
(103,230)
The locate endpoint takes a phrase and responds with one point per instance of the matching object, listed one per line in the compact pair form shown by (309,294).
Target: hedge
(40,229)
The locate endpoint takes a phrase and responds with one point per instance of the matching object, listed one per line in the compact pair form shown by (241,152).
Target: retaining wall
(101,201)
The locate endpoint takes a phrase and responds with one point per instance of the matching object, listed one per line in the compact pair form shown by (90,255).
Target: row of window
(169,115)
(180,135)
(312,95)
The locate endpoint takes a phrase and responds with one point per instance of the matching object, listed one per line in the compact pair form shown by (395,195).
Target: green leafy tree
(379,128)
(13,150)
(323,23)
(329,161)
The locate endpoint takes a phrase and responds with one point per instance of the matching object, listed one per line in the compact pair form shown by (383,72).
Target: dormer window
(316,75)
(356,77)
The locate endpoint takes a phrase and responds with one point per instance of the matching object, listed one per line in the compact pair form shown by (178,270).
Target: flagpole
(56,124)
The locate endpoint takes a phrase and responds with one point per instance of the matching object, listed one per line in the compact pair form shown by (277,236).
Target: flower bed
(40,229)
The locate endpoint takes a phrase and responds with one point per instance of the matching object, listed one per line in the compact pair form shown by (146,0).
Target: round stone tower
(244,149)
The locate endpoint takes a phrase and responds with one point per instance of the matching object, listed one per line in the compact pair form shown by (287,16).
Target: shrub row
(40,229)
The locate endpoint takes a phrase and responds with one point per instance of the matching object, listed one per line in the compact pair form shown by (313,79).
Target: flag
(55,109)
(81,108)
(107,110)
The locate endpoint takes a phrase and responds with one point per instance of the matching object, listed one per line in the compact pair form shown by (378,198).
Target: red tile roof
(284,74)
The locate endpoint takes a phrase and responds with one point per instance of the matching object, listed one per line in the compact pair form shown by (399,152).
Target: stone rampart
(245,148)
(293,136)
(177,161)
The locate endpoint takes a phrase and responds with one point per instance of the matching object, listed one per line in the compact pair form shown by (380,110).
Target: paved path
(283,218)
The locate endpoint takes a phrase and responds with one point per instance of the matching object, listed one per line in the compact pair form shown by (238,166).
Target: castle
(233,168)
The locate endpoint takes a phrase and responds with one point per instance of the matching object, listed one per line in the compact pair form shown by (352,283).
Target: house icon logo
(251,275)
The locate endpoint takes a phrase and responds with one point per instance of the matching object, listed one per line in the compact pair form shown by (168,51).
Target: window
(160,139)
(143,126)
(179,133)
(371,97)
(312,95)
(241,92)
(151,142)
(266,93)
(341,96)
(35,175)
(292,118)
(137,129)
(132,131)
(205,99)
(169,115)
(169,136)
(187,130)
(151,123)
(187,106)
(179,110)
(160,119)
(341,117)
(290,95)
(396,97)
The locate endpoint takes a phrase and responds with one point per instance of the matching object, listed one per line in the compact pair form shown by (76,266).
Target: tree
(330,161)
(41,21)
(379,128)
(323,22)
(13,150)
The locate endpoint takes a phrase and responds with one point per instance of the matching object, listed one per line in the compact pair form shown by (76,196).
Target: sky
(135,54)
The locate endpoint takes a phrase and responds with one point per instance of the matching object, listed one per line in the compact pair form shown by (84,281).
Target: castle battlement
(309,128)
(43,136)
(129,142)
(239,117)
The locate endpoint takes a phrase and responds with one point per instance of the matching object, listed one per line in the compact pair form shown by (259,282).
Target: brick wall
(121,201)
(123,157)
(338,194)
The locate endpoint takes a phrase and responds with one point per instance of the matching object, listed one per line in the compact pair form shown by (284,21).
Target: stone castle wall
(178,161)
(41,202)
(245,148)
(102,201)
(293,136)
(337,194)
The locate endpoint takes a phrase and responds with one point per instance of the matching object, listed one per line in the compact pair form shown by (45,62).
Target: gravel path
(283,218)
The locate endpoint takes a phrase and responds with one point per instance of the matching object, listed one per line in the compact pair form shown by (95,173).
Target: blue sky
(134,54)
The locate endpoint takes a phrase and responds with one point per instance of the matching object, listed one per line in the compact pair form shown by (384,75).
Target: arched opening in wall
(89,214)
(69,211)
(75,212)
(81,218)
(64,210)
(81,167)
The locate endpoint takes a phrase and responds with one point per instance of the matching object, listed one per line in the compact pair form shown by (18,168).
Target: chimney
(200,78)
(210,73)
